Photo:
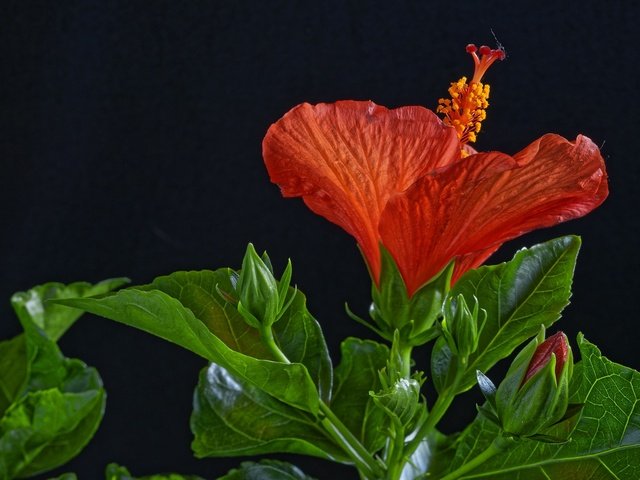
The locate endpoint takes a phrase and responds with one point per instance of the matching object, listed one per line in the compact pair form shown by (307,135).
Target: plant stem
(267,337)
(394,450)
(400,359)
(338,432)
(400,366)
(364,461)
(439,409)
(405,354)
(497,446)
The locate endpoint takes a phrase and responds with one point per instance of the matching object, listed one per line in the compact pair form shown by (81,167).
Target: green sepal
(267,261)
(426,336)
(489,412)
(487,388)
(392,308)
(365,323)
(533,405)
(248,316)
(517,371)
(283,287)
(560,432)
(572,412)
(427,301)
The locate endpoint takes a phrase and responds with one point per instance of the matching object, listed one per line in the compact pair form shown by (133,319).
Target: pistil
(466,109)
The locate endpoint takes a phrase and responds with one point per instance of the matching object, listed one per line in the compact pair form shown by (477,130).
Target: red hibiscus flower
(406,179)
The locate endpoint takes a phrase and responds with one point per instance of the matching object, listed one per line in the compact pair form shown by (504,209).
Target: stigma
(466,109)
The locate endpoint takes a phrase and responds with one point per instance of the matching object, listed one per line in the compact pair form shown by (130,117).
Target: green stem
(497,446)
(394,450)
(267,336)
(363,460)
(439,409)
(405,354)
(400,363)
(400,359)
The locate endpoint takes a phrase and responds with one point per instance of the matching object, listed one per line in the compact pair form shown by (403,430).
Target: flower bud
(535,392)
(261,297)
(461,327)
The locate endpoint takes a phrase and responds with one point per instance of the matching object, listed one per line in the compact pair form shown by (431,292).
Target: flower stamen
(466,109)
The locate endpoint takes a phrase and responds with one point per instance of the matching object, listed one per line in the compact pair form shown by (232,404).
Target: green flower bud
(535,392)
(400,401)
(461,327)
(261,297)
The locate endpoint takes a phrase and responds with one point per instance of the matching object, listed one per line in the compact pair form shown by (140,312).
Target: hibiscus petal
(469,209)
(346,159)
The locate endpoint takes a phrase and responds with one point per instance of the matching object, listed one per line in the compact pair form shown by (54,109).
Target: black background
(130,144)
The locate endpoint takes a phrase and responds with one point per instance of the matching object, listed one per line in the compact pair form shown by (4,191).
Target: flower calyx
(533,398)
(414,317)
(461,326)
(261,298)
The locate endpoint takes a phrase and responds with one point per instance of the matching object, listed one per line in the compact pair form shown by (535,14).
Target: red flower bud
(556,344)
(534,394)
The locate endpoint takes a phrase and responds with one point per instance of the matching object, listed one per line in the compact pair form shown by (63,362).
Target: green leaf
(218,337)
(198,292)
(116,472)
(232,417)
(300,338)
(13,370)
(356,376)
(42,319)
(519,296)
(45,429)
(266,470)
(605,444)
(52,405)
(65,476)
(34,306)
(298,334)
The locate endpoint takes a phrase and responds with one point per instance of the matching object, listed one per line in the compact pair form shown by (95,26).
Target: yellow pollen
(467,107)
